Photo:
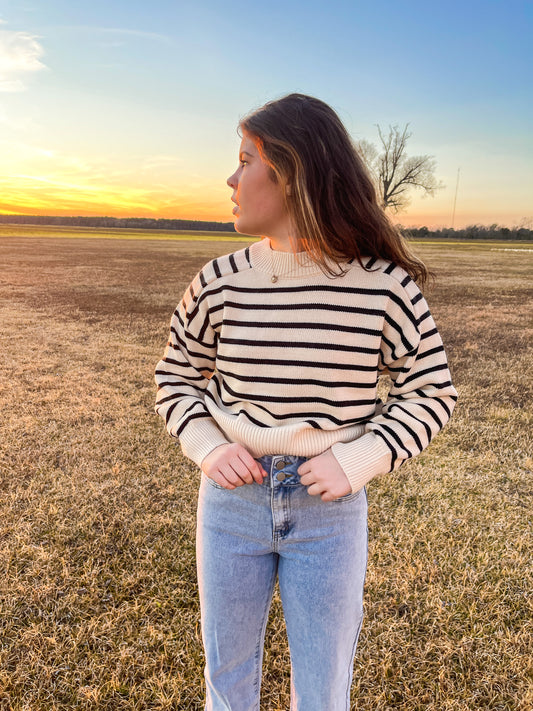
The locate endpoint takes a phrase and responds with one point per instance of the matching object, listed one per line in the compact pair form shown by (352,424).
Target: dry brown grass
(98,604)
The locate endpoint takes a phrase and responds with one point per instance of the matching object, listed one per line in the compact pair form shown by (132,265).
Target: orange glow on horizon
(36,195)
(106,210)
(53,196)
(210,213)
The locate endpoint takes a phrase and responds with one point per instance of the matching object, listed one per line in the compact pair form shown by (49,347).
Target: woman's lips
(234,211)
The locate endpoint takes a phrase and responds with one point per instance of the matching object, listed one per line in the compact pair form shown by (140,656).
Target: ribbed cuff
(199,438)
(363,459)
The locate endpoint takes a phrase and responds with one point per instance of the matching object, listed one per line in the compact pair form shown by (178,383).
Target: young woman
(269,381)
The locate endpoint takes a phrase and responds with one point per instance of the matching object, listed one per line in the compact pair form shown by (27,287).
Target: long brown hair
(330,195)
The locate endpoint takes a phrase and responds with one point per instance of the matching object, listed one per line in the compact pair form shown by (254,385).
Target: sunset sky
(130,108)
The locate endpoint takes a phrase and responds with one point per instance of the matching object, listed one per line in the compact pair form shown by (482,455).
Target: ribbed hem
(299,439)
(363,459)
(200,438)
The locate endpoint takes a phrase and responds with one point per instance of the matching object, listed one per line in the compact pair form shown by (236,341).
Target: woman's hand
(231,465)
(324,477)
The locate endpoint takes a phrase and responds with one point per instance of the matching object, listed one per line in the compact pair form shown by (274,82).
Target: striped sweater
(292,367)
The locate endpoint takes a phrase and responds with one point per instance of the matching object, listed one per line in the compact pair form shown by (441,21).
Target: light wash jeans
(245,538)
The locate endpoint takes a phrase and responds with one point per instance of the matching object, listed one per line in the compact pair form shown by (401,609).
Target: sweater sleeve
(183,375)
(421,398)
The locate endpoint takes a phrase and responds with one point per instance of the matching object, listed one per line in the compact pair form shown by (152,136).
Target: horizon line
(5,216)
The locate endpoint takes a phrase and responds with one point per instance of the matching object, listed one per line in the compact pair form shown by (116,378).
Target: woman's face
(259,202)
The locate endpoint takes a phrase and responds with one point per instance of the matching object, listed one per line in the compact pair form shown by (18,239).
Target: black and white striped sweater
(292,367)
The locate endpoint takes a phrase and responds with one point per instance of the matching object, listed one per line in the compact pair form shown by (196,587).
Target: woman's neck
(284,243)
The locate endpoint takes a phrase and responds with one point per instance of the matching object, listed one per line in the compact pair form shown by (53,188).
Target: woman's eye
(243,163)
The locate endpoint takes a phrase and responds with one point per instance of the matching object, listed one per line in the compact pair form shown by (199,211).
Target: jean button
(280,464)
(280,476)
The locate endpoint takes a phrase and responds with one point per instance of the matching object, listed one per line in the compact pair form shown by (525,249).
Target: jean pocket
(347,497)
(212,483)
(215,485)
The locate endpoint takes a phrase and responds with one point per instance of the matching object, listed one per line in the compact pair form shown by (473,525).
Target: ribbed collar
(285,265)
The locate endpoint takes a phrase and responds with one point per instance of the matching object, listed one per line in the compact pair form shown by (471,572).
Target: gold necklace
(275,276)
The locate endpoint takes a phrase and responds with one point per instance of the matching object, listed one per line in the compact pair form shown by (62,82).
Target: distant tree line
(494,232)
(139,223)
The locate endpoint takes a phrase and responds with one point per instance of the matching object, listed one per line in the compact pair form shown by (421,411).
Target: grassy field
(56,231)
(98,599)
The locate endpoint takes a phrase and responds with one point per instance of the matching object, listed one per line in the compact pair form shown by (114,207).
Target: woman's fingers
(231,465)
(237,472)
(255,470)
(324,477)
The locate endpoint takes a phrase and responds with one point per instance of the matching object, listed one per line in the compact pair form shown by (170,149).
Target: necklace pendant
(273,278)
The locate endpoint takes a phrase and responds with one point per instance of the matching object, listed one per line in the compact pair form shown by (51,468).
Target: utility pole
(455,198)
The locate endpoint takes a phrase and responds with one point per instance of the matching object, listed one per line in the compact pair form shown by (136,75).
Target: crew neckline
(285,265)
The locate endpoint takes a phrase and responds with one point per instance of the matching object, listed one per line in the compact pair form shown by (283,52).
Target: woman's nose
(231,181)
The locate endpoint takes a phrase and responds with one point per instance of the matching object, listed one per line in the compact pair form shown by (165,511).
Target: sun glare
(43,195)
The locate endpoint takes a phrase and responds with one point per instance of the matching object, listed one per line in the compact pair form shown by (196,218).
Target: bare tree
(394,172)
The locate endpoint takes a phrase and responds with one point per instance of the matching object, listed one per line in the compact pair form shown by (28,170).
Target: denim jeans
(245,538)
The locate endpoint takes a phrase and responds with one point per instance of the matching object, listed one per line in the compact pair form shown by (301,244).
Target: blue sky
(131,107)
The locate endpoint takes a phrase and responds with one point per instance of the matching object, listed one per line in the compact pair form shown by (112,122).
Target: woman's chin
(240,227)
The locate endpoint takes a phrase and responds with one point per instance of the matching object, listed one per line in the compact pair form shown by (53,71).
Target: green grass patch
(475,244)
(59,231)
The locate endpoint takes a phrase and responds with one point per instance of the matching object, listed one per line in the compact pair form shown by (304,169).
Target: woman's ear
(288,190)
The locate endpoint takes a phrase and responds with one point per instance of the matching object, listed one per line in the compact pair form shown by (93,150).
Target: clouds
(63,194)
(139,103)
(43,179)
(20,57)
